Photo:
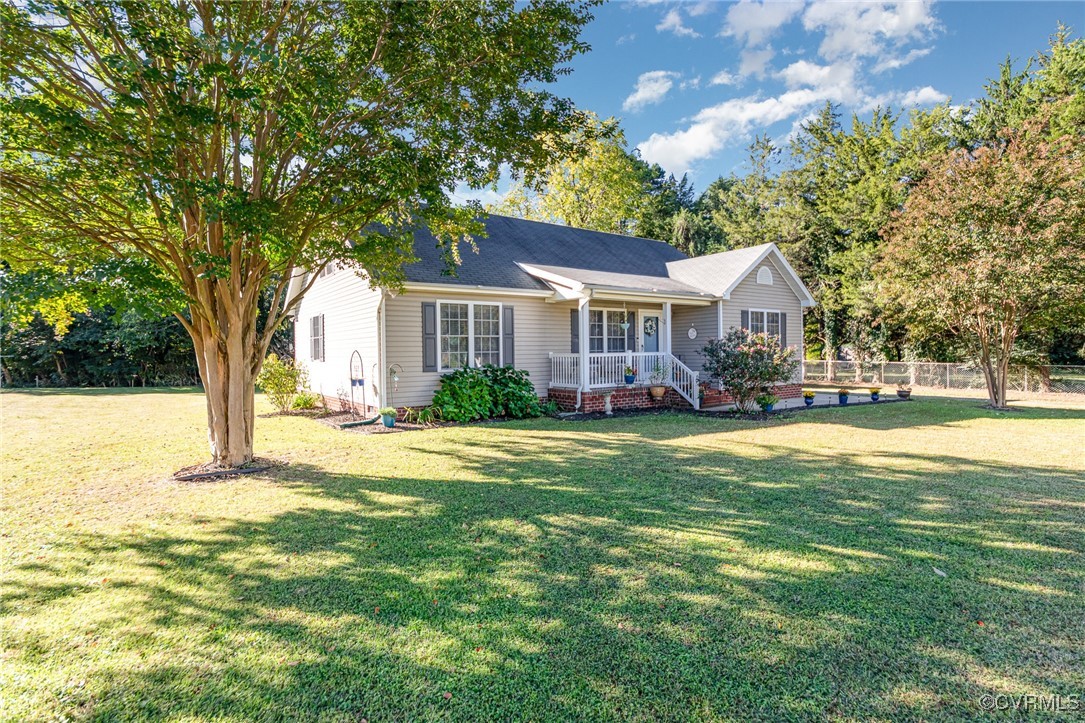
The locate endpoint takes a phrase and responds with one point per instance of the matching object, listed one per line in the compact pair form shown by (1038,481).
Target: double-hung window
(470,334)
(316,337)
(765,322)
(605,332)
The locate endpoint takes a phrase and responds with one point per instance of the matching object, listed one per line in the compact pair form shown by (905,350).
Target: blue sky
(693,82)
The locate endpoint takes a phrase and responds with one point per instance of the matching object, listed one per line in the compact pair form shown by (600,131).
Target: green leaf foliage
(486,392)
(742,363)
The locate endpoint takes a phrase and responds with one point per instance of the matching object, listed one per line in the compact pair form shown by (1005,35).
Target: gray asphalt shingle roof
(714,273)
(592,258)
(512,241)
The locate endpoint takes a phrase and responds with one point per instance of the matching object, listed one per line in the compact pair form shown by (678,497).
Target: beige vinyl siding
(705,319)
(349,307)
(540,328)
(779,297)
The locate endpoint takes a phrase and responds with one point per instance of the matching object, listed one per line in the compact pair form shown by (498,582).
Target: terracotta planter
(658,392)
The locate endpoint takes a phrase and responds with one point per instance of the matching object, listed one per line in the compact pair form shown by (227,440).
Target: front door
(650,332)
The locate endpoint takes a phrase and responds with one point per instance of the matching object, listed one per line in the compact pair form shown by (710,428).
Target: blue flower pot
(389,420)
(766,407)
(875,397)
(630,378)
(843,398)
(808,401)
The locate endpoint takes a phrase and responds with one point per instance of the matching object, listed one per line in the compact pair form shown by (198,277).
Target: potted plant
(904,391)
(875,393)
(656,379)
(630,375)
(388,416)
(808,396)
(767,401)
(842,395)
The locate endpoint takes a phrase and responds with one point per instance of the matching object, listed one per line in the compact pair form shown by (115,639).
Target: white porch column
(666,327)
(585,344)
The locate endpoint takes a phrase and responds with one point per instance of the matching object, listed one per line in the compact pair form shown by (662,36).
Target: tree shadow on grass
(603,577)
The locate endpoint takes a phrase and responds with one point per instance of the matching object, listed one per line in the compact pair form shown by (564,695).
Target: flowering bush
(742,363)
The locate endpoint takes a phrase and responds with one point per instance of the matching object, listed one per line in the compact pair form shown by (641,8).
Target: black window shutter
(745,319)
(507,337)
(783,329)
(429,336)
(631,332)
(574,331)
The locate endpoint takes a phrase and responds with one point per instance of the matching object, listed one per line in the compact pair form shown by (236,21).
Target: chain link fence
(1058,379)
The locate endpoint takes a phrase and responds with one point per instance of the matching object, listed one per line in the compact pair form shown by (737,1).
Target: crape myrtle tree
(211,149)
(991,245)
(743,363)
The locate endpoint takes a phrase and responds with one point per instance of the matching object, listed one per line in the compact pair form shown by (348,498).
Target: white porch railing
(565,370)
(684,381)
(608,370)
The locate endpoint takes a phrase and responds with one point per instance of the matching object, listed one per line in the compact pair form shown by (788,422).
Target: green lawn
(652,568)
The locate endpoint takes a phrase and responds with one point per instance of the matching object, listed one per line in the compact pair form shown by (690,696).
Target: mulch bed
(758,416)
(210,471)
(337,419)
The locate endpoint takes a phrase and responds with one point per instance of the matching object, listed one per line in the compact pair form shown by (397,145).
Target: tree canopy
(211,148)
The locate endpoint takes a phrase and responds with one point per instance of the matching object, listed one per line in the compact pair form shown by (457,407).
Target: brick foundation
(639,397)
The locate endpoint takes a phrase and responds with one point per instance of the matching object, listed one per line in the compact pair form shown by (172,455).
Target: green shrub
(387,411)
(281,381)
(485,392)
(306,400)
(512,392)
(465,395)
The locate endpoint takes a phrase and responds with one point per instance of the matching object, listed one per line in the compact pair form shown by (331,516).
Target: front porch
(587,379)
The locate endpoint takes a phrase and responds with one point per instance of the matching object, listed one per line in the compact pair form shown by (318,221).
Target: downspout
(381,350)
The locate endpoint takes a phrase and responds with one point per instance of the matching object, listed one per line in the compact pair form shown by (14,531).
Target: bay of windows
(470,334)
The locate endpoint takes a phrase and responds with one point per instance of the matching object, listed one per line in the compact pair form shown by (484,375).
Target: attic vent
(764,276)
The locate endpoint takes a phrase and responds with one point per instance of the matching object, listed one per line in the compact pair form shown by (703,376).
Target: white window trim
(766,312)
(471,332)
(624,336)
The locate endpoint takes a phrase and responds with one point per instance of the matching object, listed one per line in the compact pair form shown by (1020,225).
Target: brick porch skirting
(639,397)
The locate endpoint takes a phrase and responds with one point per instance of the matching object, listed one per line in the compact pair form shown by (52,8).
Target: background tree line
(827,197)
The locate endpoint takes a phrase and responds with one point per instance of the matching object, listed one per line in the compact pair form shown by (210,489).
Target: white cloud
(923,96)
(926,95)
(755,62)
(652,87)
(891,62)
(702,8)
(672,22)
(724,78)
(622,40)
(838,78)
(714,127)
(854,29)
(694,83)
(752,23)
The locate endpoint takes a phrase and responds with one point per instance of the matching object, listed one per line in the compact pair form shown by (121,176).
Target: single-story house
(570,306)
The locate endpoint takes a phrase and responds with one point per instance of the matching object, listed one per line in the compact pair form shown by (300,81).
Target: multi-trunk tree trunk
(229,360)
